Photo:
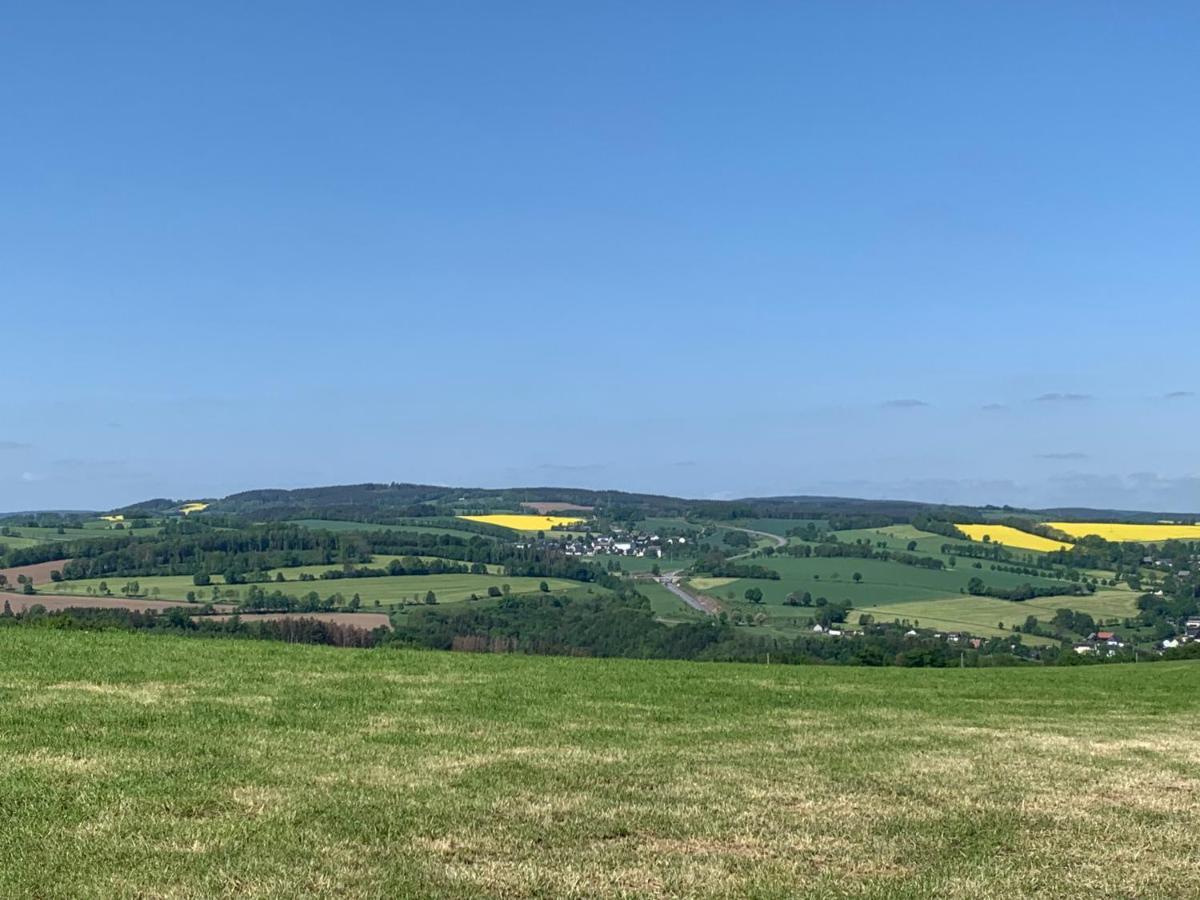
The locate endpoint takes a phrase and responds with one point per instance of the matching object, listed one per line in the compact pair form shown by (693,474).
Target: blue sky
(933,251)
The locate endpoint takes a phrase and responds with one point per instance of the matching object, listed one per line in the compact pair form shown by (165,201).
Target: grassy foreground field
(140,765)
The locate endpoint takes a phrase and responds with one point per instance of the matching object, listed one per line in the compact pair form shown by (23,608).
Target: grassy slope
(883,582)
(141,765)
(774,526)
(982,615)
(16,542)
(894,591)
(897,537)
(342,525)
(385,589)
(666,605)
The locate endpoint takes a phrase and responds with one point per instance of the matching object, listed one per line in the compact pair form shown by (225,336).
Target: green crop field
(341,525)
(17,541)
(665,523)
(386,589)
(139,766)
(981,616)
(22,536)
(778,527)
(637,564)
(883,581)
(898,537)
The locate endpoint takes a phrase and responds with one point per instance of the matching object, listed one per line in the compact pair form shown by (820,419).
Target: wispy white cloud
(904,403)
(1057,397)
(567,467)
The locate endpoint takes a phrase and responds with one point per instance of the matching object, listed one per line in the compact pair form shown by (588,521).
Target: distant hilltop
(423,500)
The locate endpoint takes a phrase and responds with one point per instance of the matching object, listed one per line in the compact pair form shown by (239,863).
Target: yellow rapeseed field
(524,522)
(192,507)
(1117,531)
(1011,537)
(113,518)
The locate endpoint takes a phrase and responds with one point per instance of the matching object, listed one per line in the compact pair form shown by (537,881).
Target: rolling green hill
(882,580)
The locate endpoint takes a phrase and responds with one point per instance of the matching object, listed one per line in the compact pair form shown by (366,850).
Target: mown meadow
(140,765)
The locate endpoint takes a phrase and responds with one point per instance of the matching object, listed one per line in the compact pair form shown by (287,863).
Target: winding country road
(779,541)
(699,602)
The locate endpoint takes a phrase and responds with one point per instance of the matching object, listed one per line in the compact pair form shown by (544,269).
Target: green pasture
(140,765)
(982,615)
(666,605)
(23,536)
(342,525)
(882,581)
(388,589)
(779,527)
(898,537)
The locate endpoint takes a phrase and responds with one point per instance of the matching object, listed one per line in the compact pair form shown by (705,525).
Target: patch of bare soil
(544,509)
(39,573)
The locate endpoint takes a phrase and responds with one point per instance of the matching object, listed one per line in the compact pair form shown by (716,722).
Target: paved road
(704,605)
(668,581)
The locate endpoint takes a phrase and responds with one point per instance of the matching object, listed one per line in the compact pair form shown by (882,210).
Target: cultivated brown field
(545,509)
(52,603)
(39,573)
(368,621)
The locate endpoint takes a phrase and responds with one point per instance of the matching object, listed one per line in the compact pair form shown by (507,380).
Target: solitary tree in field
(857,577)
(430,597)
(754,595)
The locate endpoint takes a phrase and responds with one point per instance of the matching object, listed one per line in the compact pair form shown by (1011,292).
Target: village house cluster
(620,543)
